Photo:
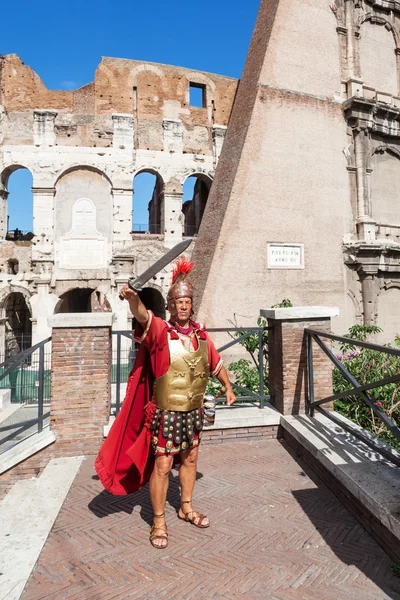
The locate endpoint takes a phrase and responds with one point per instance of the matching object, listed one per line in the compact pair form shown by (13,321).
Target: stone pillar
(171,210)
(43,127)
(369,295)
(218,133)
(288,367)
(122,199)
(43,213)
(173,135)
(123,132)
(80,380)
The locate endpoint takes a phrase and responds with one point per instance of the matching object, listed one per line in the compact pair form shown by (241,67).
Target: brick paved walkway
(277,533)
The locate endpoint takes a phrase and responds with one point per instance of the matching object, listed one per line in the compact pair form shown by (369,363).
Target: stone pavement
(277,533)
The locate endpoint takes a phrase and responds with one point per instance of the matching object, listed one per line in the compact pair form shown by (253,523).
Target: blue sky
(64,42)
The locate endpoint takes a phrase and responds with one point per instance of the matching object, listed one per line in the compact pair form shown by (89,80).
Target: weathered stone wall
(83,149)
(312,159)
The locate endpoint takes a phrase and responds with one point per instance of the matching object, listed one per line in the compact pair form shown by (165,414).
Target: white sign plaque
(285,255)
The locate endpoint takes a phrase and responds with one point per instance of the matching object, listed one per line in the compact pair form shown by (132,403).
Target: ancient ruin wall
(84,148)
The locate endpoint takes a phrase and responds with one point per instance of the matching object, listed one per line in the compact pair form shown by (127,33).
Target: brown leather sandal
(156,536)
(191,519)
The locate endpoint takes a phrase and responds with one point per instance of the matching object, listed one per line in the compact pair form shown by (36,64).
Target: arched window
(20,205)
(385,188)
(82,300)
(75,301)
(146,209)
(378,58)
(196,190)
(18,331)
(154,301)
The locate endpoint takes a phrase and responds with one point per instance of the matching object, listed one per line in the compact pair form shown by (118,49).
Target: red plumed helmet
(181,288)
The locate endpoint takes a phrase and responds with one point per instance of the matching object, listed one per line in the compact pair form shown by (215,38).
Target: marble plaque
(285,255)
(81,253)
(83,247)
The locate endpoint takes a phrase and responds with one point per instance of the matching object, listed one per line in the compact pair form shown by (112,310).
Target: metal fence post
(41,388)
(261,366)
(118,382)
(310,370)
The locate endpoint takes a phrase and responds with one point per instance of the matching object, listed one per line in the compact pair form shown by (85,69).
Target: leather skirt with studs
(174,432)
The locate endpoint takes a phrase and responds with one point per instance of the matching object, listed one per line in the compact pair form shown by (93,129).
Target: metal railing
(238,335)
(124,356)
(357,390)
(39,386)
(146,228)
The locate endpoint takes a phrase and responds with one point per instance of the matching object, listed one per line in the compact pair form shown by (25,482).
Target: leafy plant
(366,366)
(396,569)
(247,371)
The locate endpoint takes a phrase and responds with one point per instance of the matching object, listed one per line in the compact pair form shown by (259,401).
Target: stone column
(369,294)
(123,132)
(80,380)
(365,223)
(218,133)
(43,222)
(43,127)
(349,22)
(122,200)
(171,213)
(288,368)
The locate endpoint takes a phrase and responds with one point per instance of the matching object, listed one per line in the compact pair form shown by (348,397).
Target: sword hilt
(131,283)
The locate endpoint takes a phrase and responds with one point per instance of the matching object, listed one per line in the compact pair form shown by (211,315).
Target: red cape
(125,461)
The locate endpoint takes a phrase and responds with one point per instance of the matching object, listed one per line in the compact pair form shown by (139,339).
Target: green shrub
(367,366)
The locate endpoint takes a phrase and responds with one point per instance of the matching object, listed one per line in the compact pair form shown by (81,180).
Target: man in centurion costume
(162,415)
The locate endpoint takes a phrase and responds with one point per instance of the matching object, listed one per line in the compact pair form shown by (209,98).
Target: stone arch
(84,167)
(78,248)
(388,310)
(11,225)
(153,299)
(10,289)
(379,20)
(82,300)
(193,208)
(16,323)
(145,67)
(200,78)
(383,165)
(353,307)
(379,65)
(147,199)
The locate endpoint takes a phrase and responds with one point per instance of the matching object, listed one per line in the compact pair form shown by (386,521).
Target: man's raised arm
(137,307)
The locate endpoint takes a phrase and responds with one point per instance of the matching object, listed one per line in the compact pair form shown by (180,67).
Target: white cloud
(69,85)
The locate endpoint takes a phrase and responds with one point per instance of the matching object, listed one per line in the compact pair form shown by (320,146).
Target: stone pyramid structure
(280,205)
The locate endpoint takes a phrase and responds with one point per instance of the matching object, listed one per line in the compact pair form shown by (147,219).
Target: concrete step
(26,448)
(27,515)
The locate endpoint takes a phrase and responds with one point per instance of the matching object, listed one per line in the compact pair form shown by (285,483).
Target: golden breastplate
(183,386)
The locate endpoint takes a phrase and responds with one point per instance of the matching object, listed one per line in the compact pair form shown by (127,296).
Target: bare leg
(187,478)
(158,494)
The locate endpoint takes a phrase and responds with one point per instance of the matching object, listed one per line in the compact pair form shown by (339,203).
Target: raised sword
(138,282)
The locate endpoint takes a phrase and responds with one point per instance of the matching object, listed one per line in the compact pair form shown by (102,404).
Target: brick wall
(80,397)
(244,434)
(80,387)
(288,364)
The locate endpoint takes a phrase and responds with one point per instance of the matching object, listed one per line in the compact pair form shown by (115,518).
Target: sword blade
(138,283)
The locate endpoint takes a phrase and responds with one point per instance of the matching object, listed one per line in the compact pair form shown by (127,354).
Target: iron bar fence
(25,377)
(357,389)
(124,350)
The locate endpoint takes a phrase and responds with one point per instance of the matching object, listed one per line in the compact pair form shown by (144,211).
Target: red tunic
(125,460)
